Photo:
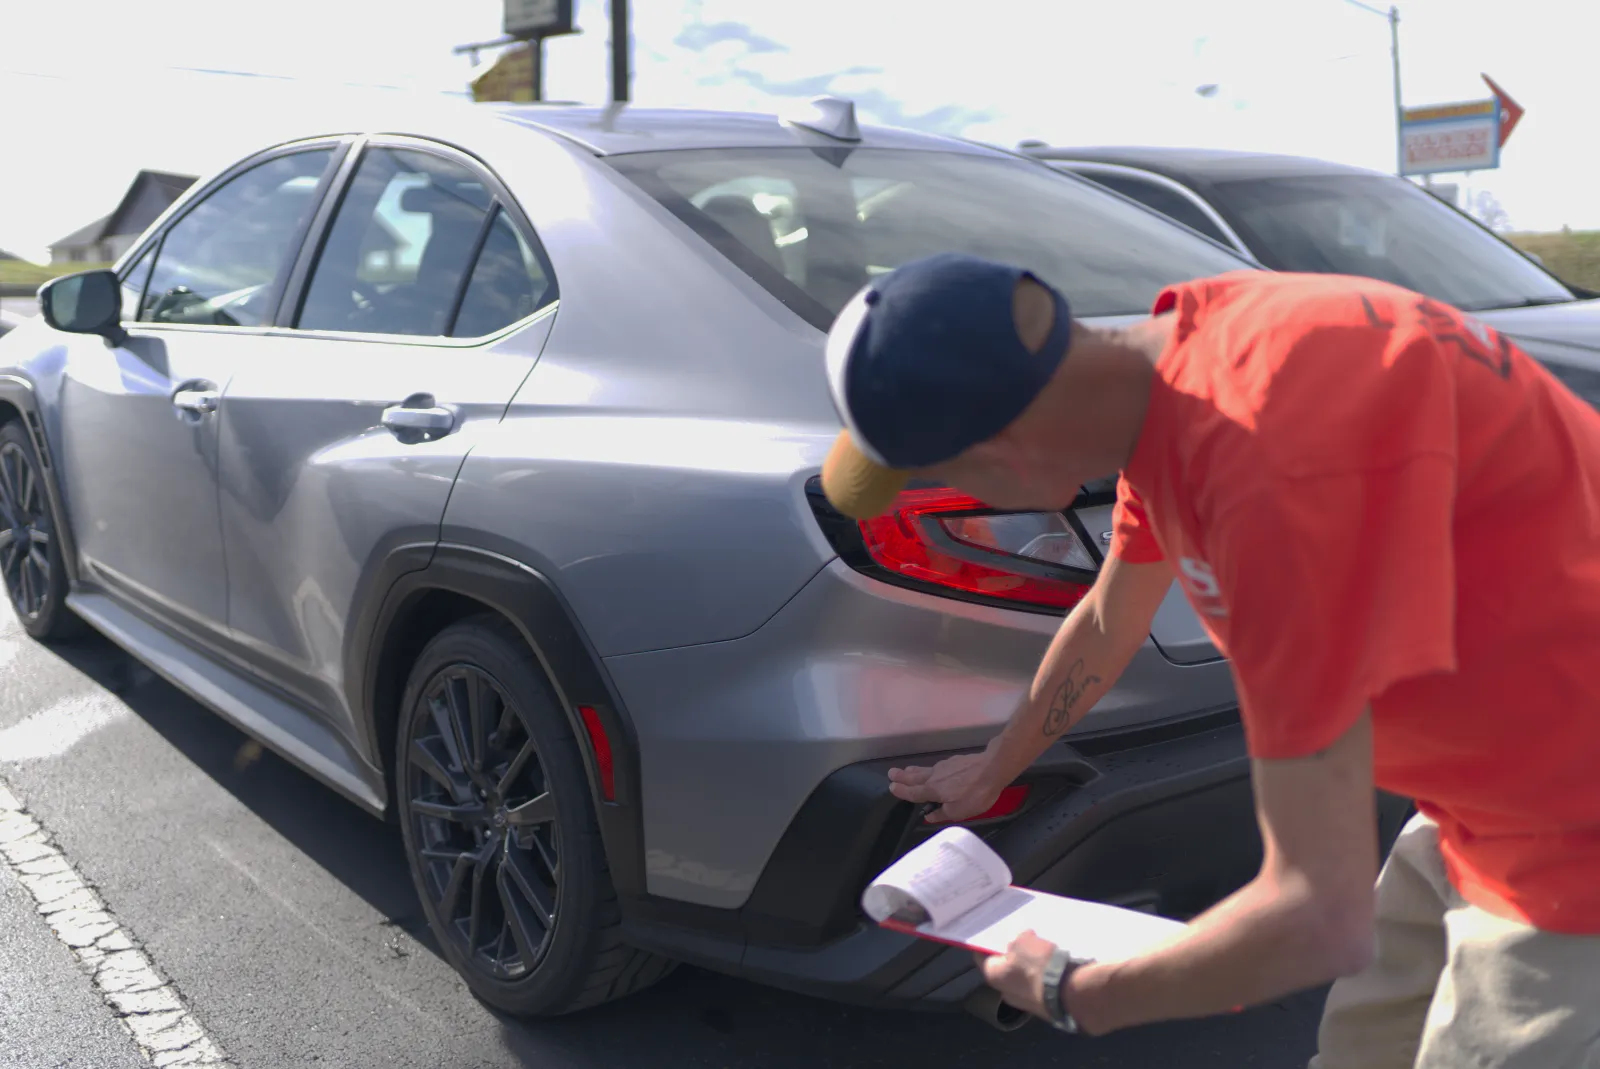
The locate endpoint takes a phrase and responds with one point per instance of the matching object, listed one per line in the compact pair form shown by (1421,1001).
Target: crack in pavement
(147,1005)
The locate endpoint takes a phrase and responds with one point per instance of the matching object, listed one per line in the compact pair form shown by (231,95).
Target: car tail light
(945,542)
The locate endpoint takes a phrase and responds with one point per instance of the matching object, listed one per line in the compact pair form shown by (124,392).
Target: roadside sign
(1450,137)
(509,78)
(1510,111)
(528,19)
(1466,136)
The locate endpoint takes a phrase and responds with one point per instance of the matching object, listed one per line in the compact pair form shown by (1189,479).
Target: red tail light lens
(945,539)
(1009,802)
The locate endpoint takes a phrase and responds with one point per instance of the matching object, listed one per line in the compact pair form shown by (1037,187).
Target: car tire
(32,568)
(500,832)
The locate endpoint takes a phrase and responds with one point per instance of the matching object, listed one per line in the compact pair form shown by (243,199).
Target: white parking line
(148,1005)
(53,731)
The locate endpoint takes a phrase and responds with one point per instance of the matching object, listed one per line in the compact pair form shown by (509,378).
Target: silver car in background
(469,461)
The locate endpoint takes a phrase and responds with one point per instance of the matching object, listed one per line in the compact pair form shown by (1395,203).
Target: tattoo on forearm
(1061,706)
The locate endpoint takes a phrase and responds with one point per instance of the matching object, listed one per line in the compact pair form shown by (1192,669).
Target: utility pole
(1393,15)
(1399,109)
(621,50)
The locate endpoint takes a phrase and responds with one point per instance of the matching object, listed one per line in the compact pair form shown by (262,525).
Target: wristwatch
(1056,972)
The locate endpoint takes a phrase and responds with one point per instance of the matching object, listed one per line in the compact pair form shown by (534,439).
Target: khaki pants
(1455,987)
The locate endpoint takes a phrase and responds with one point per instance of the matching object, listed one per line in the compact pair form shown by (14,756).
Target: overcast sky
(93,90)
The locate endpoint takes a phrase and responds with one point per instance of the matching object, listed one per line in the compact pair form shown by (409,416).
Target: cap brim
(856,485)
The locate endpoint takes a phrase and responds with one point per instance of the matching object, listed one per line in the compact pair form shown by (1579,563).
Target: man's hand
(1018,974)
(1092,647)
(964,785)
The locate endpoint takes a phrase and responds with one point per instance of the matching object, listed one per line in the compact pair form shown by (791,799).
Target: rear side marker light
(600,742)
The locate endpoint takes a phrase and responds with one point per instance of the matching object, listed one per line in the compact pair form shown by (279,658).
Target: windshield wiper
(1521,302)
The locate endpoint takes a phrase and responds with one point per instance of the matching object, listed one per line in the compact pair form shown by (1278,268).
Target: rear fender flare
(532,603)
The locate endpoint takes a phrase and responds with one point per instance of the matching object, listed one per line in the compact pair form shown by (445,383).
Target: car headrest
(431,200)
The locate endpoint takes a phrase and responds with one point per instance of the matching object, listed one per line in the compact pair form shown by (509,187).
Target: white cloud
(1309,76)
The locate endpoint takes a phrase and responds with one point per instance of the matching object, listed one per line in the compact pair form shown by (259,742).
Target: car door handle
(432,420)
(197,401)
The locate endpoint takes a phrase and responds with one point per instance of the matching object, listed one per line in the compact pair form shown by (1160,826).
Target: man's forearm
(1092,648)
(1306,919)
(1260,944)
(1079,667)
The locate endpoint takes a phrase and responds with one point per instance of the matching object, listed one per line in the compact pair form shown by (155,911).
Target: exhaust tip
(987,1006)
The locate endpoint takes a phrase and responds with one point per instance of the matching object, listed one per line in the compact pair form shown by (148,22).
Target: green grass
(23,273)
(1572,256)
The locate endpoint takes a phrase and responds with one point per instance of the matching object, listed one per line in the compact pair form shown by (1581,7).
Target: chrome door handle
(196,401)
(425,420)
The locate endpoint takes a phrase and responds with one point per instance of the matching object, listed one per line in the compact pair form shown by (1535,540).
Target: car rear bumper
(1159,818)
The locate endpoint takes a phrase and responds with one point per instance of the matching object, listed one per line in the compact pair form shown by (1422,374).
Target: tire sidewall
(52,619)
(494,648)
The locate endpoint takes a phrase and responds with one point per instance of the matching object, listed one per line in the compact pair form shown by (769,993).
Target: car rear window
(813,226)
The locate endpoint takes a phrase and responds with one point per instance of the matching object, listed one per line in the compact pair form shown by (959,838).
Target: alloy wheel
(25,533)
(484,822)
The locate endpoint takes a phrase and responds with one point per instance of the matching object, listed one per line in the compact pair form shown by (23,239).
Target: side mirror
(1535,257)
(89,302)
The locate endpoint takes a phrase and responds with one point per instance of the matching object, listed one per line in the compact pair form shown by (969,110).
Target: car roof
(1211,165)
(610,131)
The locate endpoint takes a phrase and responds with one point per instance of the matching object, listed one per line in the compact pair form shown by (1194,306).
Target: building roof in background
(170,187)
(85,235)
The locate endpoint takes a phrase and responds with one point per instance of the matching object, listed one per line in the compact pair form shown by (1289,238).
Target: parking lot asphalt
(285,919)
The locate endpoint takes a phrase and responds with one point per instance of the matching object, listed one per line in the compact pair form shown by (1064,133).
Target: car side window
(1169,203)
(509,282)
(400,247)
(220,262)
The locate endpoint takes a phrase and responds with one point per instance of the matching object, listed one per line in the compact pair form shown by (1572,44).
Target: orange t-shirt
(1374,499)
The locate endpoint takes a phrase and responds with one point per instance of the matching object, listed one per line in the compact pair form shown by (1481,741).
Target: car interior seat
(455,227)
(741,218)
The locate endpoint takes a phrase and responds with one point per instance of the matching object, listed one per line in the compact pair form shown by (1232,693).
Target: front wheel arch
(19,402)
(34,572)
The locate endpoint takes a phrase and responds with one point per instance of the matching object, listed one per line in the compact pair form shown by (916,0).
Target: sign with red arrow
(1465,136)
(1510,111)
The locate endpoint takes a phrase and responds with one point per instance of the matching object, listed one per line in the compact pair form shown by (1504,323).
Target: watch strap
(1056,971)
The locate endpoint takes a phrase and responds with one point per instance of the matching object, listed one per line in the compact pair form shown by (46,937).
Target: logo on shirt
(1471,337)
(1200,582)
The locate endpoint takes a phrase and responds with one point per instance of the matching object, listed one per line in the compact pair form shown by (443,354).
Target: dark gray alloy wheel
(30,553)
(500,832)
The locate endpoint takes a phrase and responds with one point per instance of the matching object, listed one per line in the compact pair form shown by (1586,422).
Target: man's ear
(1033,311)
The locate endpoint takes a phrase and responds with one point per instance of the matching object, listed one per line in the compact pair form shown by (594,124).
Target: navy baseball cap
(925,363)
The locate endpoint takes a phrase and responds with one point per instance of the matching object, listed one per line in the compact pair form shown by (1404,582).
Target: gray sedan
(468,460)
